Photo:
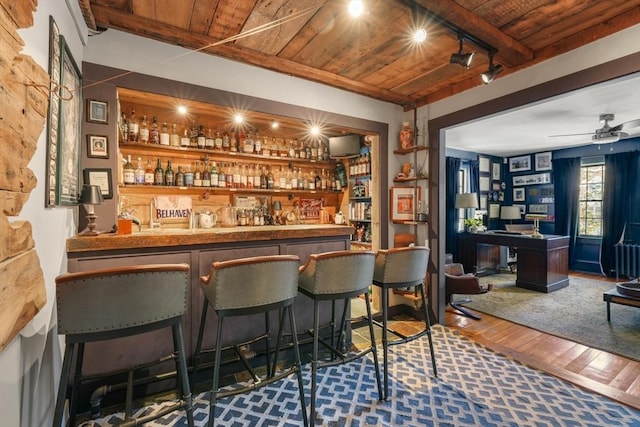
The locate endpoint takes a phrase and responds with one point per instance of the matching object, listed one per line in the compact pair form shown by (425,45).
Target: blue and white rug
(475,387)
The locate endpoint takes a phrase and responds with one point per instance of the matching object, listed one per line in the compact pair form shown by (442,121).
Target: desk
(613,296)
(543,264)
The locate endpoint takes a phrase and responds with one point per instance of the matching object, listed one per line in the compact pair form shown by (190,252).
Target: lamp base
(91,226)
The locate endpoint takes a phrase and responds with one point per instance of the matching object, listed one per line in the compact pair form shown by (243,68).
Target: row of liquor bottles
(194,136)
(233,175)
(360,165)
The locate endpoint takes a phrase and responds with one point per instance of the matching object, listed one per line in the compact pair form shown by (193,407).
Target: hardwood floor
(610,375)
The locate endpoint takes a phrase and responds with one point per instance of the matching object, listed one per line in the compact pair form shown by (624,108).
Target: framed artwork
(101,178)
(533,179)
(97,111)
(97,146)
(538,208)
(485,183)
(68,168)
(494,210)
(53,116)
(519,164)
(543,161)
(519,195)
(484,164)
(403,203)
(483,203)
(495,174)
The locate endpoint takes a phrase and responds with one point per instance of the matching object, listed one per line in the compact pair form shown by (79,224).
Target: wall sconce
(90,196)
(493,71)
(461,58)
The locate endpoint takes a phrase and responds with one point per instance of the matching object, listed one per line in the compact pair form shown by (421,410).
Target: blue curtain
(566,187)
(474,176)
(453,166)
(621,179)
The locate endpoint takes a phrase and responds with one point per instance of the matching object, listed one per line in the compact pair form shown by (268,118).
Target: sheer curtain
(566,187)
(621,178)
(453,166)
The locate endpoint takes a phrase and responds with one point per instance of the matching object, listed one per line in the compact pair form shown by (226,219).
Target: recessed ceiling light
(356,8)
(420,35)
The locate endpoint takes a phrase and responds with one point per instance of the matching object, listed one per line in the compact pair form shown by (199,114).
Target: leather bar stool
(251,286)
(118,302)
(334,276)
(401,268)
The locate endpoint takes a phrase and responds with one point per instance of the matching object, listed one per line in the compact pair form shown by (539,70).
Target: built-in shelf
(421,178)
(410,149)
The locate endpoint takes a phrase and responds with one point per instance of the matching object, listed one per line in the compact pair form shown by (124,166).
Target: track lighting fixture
(461,58)
(493,71)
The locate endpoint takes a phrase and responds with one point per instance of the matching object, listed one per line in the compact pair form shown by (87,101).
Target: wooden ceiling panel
(370,55)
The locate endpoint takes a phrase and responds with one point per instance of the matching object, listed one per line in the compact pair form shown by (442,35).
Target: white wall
(29,366)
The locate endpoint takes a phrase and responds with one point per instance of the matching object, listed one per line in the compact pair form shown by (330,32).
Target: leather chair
(334,276)
(456,281)
(402,268)
(119,302)
(247,286)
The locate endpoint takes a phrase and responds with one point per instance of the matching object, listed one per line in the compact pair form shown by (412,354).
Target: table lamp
(510,213)
(536,224)
(467,201)
(90,196)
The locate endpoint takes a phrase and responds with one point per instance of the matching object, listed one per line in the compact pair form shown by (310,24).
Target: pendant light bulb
(420,35)
(356,8)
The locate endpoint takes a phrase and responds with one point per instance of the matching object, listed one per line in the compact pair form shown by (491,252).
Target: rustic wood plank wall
(23,107)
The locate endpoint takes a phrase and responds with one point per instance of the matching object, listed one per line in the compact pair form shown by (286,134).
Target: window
(590,200)
(463,187)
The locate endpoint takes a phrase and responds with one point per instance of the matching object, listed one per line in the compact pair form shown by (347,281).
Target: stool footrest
(181,404)
(343,359)
(262,382)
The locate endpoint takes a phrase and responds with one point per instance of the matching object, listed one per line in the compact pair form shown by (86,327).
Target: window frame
(584,200)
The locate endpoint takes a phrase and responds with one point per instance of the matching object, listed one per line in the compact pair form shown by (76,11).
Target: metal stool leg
(385,340)
(196,355)
(427,321)
(296,354)
(314,358)
(373,346)
(64,383)
(181,370)
(216,373)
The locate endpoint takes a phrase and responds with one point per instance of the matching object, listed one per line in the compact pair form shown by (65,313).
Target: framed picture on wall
(97,146)
(519,194)
(101,178)
(494,210)
(519,164)
(97,111)
(485,183)
(543,161)
(484,164)
(495,174)
(403,203)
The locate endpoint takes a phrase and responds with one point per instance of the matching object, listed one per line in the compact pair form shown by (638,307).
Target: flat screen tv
(344,146)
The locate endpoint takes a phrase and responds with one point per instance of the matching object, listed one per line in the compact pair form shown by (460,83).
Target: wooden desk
(543,264)
(613,296)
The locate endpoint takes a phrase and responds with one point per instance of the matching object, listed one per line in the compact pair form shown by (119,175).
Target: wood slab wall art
(24,92)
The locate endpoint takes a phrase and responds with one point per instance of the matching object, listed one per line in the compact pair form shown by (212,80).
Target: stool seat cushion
(400,267)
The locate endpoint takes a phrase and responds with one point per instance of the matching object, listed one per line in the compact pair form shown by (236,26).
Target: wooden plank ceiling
(372,55)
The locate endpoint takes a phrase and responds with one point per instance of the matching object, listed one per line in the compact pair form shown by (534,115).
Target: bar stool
(401,268)
(118,302)
(333,276)
(250,286)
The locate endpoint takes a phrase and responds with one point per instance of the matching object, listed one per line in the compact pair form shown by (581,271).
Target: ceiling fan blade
(571,134)
(627,126)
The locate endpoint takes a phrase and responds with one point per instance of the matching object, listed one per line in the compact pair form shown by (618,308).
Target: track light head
(492,72)
(460,58)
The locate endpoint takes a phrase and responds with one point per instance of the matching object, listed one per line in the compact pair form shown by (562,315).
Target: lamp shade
(466,200)
(510,212)
(91,195)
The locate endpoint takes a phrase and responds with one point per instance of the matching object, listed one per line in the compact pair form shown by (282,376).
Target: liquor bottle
(292,149)
(218,141)
(229,176)
(206,175)
(197,176)
(180,177)
(185,140)
(317,181)
(210,141)
(165,138)
(149,173)
(270,181)
(294,180)
(193,135)
(214,175)
(158,176)
(314,149)
(169,177)
(174,138)
(256,177)
(222,177)
(124,128)
(154,132)
(128,172)
(201,141)
(233,143)
(243,176)
(188,177)
(144,131)
(134,127)
(257,144)
(320,150)
(283,178)
(300,180)
(264,183)
(139,172)
(226,142)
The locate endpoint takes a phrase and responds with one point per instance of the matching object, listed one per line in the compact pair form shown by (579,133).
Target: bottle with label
(222,177)
(193,135)
(134,127)
(201,140)
(188,177)
(129,172)
(197,176)
(165,137)
(158,177)
(270,179)
(218,141)
(210,141)
(317,181)
(154,131)
(149,174)
(257,144)
(206,175)
(226,142)
(144,130)
(139,172)
(185,140)
(169,177)
(233,143)
(180,177)
(174,139)
(214,175)
(124,128)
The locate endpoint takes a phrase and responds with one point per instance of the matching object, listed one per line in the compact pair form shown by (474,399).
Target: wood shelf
(422,178)
(410,149)
(163,189)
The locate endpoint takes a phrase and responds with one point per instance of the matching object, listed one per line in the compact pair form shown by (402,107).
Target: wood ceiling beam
(510,51)
(110,18)
(85,8)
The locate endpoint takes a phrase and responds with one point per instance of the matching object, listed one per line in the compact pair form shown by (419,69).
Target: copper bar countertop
(150,238)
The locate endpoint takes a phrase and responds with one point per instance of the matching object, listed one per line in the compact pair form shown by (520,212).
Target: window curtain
(453,166)
(566,186)
(474,176)
(621,176)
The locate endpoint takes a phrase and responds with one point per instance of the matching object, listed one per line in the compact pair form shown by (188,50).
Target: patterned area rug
(577,312)
(475,387)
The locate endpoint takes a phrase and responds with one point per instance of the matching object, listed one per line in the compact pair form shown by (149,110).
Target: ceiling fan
(609,134)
